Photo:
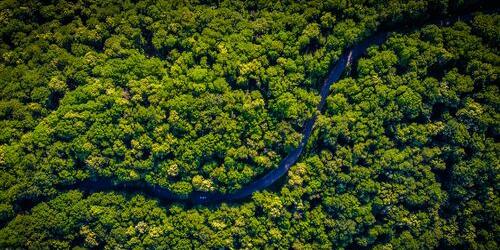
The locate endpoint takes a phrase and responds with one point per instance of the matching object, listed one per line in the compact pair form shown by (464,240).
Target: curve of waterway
(346,59)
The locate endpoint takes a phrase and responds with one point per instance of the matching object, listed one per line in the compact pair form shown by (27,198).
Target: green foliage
(129,91)
(209,95)
(414,138)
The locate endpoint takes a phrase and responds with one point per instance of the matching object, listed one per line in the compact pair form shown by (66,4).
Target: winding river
(346,59)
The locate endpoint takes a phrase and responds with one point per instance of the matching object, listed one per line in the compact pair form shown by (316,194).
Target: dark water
(102,184)
(350,56)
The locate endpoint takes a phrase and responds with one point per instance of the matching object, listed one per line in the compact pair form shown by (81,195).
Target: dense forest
(208,96)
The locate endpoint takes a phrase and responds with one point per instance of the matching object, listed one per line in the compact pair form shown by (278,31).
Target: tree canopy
(210,95)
